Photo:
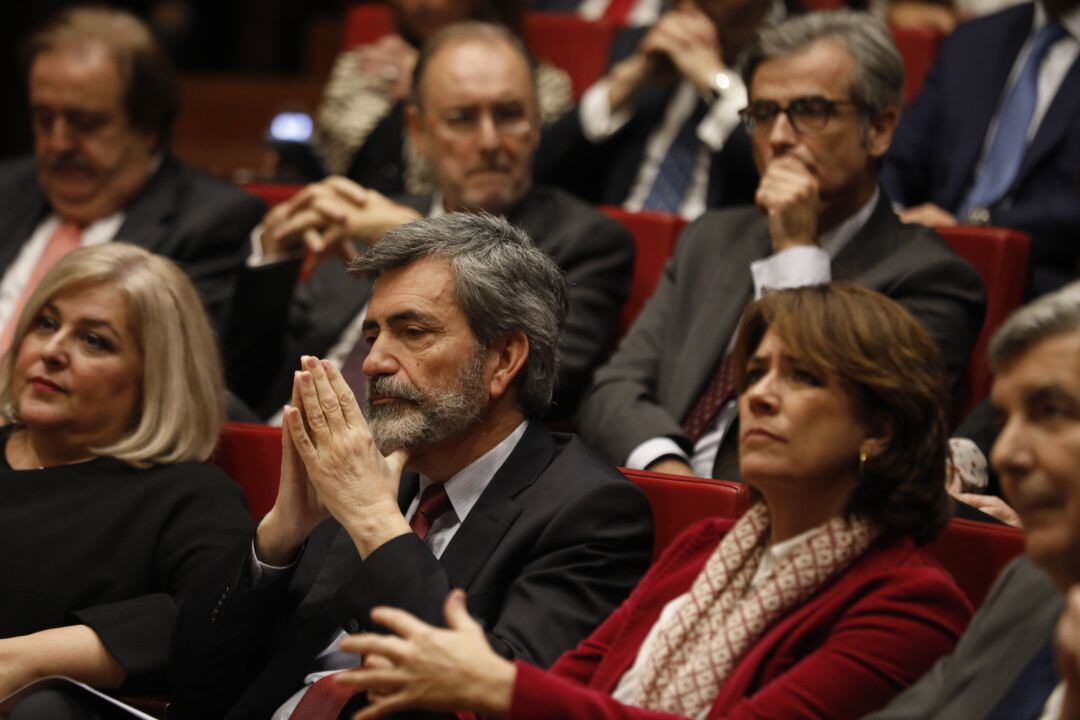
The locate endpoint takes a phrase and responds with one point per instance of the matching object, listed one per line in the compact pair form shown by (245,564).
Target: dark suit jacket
(848,649)
(554,543)
(202,224)
(1014,622)
(940,138)
(606,172)
(676,344)
(272,325)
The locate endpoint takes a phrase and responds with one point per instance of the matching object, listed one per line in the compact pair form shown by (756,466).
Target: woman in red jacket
(815,604)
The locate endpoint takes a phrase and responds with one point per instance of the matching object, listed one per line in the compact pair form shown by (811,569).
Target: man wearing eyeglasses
(474,118)
(823,96)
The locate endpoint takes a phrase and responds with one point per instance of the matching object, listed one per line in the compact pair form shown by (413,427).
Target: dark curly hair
(875,348)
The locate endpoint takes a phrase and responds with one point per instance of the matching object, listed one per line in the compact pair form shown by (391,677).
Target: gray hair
(467,30)
(877,81)
(502,281)
(1053,314)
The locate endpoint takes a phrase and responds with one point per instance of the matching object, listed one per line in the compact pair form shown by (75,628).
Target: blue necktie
(1007,149)
(677,168)
(1032,687)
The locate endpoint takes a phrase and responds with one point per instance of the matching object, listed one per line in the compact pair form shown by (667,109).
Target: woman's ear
(878,437)
(508,355)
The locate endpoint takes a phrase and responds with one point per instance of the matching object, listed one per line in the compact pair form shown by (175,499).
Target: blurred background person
(113,390)
(103,98)
(815,603)
(361,129)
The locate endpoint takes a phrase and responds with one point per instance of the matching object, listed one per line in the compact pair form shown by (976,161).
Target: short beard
(427,416)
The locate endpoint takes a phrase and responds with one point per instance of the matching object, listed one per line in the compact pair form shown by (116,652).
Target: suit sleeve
(206,515)
(621,409)
(883,643)
(581,566)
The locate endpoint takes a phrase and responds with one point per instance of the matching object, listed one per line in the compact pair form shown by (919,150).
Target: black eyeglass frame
(812,108)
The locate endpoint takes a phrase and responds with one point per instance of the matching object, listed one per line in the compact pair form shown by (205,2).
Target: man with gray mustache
(546,539)
(102,100)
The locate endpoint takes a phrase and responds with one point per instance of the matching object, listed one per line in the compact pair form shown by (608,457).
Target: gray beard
(427,416)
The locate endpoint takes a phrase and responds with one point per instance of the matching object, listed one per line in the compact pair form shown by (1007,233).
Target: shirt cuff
(263,572)
(652,450)
(794,267)
(594,113)
(259,259)
(723,116)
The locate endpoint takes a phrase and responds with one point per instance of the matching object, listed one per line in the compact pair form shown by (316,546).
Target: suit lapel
(722,302)
(20,226)
(475,541)
(149,216)
(1061,118)
(866,248)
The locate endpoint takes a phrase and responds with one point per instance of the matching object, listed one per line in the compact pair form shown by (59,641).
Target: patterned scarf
(697,647)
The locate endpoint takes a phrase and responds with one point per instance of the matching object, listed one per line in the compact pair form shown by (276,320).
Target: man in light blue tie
(994,137)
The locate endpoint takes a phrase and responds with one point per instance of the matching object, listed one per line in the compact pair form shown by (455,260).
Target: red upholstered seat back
(1000,255)
(679,501)
(251,455)
(918,47)
(655,235)
(975,552)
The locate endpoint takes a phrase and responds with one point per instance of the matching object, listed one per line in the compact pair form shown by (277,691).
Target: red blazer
(843,653)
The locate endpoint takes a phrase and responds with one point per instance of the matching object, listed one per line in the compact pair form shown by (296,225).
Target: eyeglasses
(510,118)
(808,115)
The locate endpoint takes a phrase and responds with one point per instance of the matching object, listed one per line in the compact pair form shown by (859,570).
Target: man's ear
(508,356)
(880,130)
(414,122)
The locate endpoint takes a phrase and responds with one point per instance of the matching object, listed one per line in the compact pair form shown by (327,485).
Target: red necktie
(325,699)
(64,239)
(708,405)
(433,503)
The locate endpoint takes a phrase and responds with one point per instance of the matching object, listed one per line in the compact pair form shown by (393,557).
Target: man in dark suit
(665,401)
(102,99)
(994,137)
(474,118)
(1004,665)
(661,130)
(544,537)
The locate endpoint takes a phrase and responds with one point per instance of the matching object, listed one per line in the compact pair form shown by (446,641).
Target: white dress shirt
(463,490)
(598,124)
(794,267)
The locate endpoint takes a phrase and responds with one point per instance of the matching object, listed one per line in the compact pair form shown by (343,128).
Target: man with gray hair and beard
(546,539)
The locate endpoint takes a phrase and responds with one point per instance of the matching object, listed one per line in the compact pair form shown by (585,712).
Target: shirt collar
(837,239)
(1070,21)
(467,484)
(437,209)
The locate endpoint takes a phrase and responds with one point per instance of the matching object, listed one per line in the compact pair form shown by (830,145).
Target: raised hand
(428,667)
(789,195)
(355,482)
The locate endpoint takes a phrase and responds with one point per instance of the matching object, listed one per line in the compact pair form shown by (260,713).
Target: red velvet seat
(251,455)
(566,40)
(271,193)
(655,235)
(679,501)
(1000,256)
(975,553)
(918,47)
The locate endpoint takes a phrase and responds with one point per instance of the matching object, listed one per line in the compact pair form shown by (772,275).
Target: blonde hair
(181,405)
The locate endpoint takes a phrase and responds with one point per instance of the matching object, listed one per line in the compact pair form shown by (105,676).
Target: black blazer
(275,321)
(555,542)
(202,224)
(671,352)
